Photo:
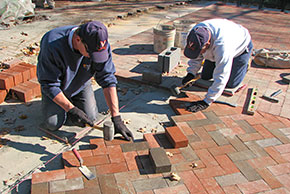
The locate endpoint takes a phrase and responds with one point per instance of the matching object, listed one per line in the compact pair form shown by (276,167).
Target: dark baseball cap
(196,39)
(95,35)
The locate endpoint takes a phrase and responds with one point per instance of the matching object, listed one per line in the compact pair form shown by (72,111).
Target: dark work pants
(55,116)
(239,68)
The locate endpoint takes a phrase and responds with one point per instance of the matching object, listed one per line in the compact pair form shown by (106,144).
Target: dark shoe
(187,78)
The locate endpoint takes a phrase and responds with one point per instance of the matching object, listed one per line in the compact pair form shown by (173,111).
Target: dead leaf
(193,165)
(142,130)
(169,154)
(44,138)
(153,130)
(174,177)
(127,121)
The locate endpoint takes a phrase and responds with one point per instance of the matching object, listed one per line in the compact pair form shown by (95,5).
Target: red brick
(280,169)
(48,176)
(176,137)
(96,160)
(177,158)
(24,70)
(117,141)
(34,86)
(233,189)
(131,160)
(32,69)
(209,172)
(149,137)
(226,149)
(23,93)
(6,82)
(253,187)
(112,168)
(3,94)
(227,165)
(73,172)
(263,131)
(191,182)
(175,189)
(115,154)
(285,148)
(203,145)
(206,158)
(261,162)
(17,76)
(269,178)
(98,146)
(275,155)
(184,127)
(211,186)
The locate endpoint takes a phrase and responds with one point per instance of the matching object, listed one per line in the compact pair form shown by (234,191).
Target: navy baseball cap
(196,39)
(95,35)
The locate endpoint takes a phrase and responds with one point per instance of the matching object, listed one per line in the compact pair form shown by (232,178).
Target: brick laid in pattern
(176,137)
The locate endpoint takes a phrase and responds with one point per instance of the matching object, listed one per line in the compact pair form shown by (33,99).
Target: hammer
(108,130)
(176,90)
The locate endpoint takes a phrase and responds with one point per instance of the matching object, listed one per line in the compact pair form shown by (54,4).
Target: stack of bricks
(20,81)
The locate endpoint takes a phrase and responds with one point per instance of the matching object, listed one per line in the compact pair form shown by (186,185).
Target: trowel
(84,169)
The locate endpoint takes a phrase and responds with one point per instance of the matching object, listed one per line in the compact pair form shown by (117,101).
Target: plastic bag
(275,59)
(11,10)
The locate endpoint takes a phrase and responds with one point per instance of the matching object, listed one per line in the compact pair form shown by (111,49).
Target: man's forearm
(111,97)
(63,102)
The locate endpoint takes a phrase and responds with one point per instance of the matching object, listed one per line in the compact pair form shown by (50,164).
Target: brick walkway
(234,152)
(268,29)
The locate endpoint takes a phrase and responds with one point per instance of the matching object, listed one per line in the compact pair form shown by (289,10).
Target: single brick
(3,94)
(24,70)
(17,76)
(39,188)
(149,137)
(176,137)
(149,184)
(159,160)
(34,86)
(152,77)
(250,173)
(112,168)
(22,93)
(48,176)
(32,69)
(6,82)
(66,185)
(108,184)
(231,179)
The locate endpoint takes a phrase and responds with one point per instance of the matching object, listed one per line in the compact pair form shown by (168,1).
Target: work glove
(79,118)
(121,128)
(187,78)
(197,106)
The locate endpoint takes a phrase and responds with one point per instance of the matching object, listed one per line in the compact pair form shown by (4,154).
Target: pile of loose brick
(108,158)
(19,81)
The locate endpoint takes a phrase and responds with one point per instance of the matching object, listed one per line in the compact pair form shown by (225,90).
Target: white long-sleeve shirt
(228,40)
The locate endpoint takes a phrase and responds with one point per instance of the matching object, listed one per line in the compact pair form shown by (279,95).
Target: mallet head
(108,131)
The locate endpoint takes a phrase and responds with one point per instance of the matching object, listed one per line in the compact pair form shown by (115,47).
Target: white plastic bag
(11,10)
(275,59)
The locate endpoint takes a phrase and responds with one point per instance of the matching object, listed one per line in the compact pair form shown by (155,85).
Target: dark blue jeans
(54,116)
(239,68)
